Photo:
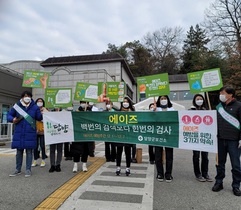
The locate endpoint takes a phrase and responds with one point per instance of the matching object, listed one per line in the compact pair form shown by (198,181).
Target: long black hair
(42,101)
(158,103)
(203,106)
(130,105)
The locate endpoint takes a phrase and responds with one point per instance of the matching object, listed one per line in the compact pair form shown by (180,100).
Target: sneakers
(57,168)
(133,160)
(217,187)
(208,178)
(236,191)
(75,168)
(84,167)
(42,163)
(118,171)
(27,173)
(160,178)
(200,178)
(128,172)
(52,169)
(34,163)
(15,173)
(169,178)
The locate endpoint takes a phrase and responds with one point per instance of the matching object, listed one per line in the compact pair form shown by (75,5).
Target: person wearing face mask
(81,150)
(201,175)
(164,104)
(126,106)
(151,148)
(40,135)
(229,138)
(24,114)
(110,148)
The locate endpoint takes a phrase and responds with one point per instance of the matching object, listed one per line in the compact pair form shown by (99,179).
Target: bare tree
(165,47)
(223,20)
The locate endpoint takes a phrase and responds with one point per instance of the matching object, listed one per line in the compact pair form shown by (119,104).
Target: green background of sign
(32,79)
(113,91)
(144,118)
(147,81)
(80,90)
(50,98)
(195,83)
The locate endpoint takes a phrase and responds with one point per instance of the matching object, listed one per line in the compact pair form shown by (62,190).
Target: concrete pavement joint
(57,198)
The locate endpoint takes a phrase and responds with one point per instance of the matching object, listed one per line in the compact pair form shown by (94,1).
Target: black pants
(67,149)
(127,153)
(133,151)
(159,161)
(84,155)
(110,151)
(151,153)
(204,163)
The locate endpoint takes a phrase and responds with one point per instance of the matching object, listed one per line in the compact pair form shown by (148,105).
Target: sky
(37,30)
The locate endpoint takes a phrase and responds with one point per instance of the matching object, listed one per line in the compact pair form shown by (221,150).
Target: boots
(75,168)
(84,167)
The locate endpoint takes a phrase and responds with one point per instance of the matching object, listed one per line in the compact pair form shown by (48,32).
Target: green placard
(35,79)
(111,91)
(205,81)
(86,92)
(58,97)
(154,85)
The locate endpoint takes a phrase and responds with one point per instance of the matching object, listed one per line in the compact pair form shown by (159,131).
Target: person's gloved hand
(239,144)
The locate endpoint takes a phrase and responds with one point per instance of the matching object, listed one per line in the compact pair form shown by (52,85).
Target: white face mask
(39,104)
(125,105)
(199,102)
(222,98)
(26,99)
(108,106)
(164,102)
(151,109)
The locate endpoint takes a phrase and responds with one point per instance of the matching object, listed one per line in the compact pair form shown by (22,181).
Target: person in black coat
(82,149)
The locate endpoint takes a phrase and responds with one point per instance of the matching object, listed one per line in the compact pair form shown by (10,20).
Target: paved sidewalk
(104,190)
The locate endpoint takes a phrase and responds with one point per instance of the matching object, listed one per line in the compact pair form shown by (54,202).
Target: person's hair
(41,100)
(158,103)
(130,105)
(194,101)
(150,105)
(26,92)
(228,90)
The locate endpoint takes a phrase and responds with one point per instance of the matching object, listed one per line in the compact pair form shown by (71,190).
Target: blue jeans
(19,159)
(41,144)
(231,147)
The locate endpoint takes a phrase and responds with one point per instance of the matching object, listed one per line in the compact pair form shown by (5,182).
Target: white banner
(198,130)
(58,127)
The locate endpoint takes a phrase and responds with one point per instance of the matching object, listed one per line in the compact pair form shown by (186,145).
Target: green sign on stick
(86,92)
(35,79)
(154,85)
(58,97)
(205,81)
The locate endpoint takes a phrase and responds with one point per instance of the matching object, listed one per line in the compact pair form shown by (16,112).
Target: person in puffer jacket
(24,114)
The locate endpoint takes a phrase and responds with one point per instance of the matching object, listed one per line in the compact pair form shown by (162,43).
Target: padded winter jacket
(25,135)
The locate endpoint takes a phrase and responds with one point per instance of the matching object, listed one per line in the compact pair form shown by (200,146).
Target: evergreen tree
(195,53)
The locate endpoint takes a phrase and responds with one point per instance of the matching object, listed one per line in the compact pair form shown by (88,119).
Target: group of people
(29,135)
(27,117)
(229,141)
